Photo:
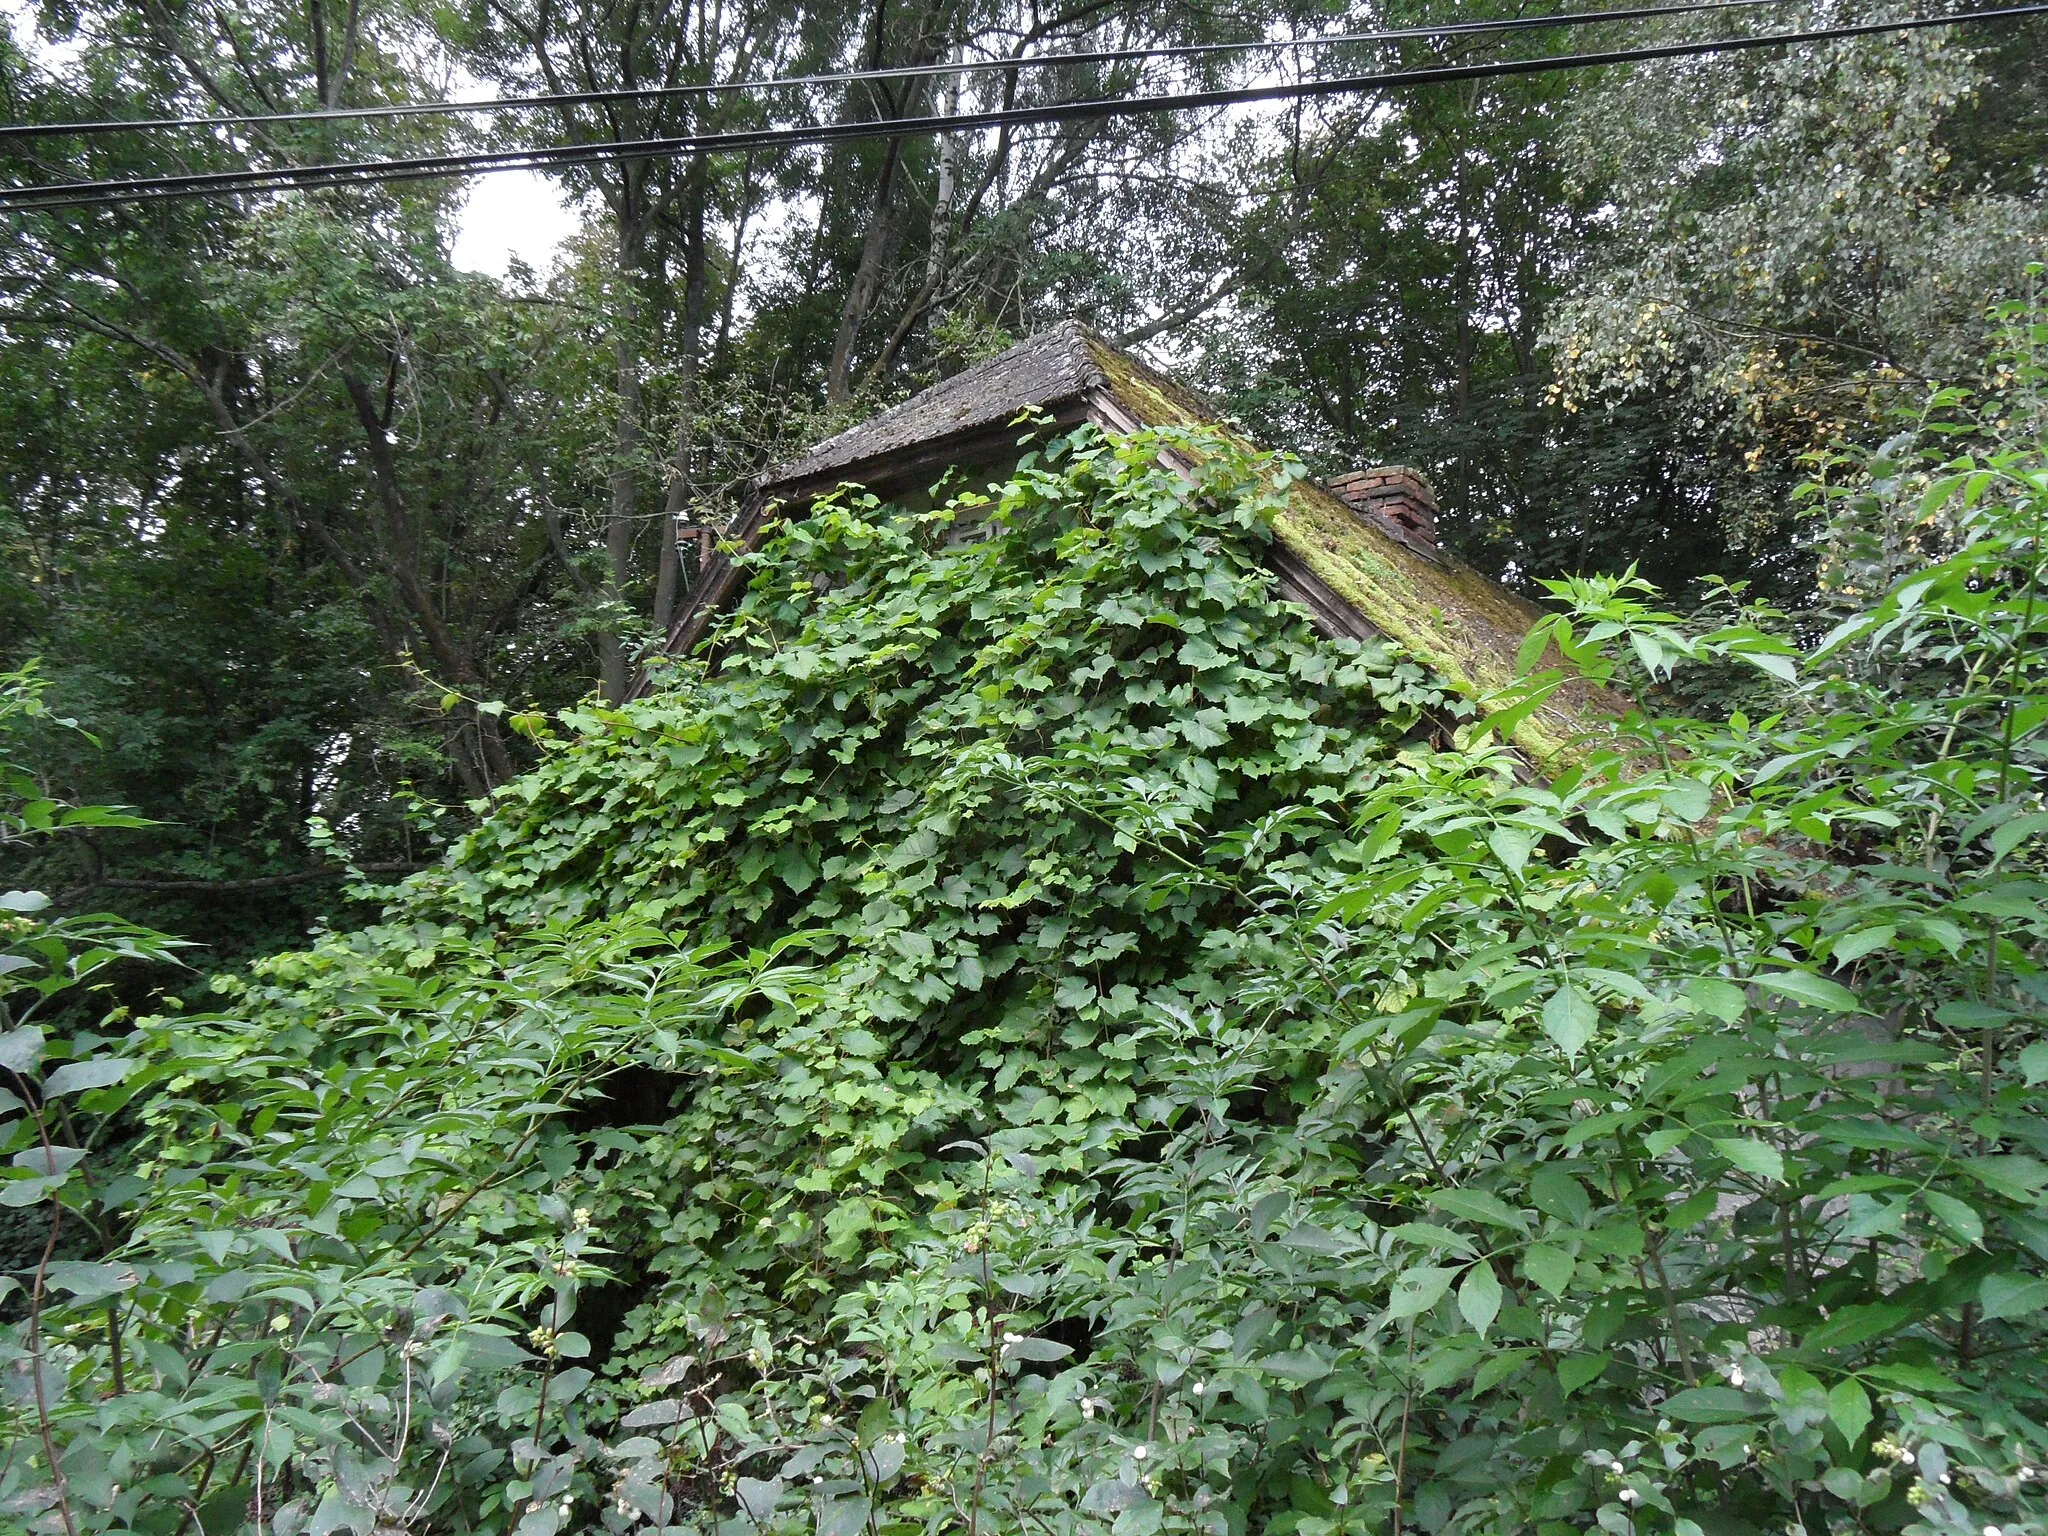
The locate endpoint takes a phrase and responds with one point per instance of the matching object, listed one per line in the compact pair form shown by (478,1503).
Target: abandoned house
(1359,551)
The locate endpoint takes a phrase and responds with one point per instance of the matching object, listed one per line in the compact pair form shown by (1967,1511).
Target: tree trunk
(682,482)
(492,764)
(867,279)
(940,248)
(614,665)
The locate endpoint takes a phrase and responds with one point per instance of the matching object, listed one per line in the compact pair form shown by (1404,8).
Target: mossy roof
(1463,625)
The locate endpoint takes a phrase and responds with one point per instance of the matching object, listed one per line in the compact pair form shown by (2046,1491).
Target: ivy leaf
(1479,1297)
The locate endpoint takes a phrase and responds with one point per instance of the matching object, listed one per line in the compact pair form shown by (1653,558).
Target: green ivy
(1030,1036)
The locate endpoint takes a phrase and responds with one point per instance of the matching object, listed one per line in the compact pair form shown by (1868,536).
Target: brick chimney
(1397,498)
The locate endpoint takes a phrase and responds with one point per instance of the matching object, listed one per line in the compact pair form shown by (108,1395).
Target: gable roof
(1354,576)
(1050,368)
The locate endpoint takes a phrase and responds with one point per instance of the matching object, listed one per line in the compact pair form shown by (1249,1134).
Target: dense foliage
(1038,1038)
(290,501)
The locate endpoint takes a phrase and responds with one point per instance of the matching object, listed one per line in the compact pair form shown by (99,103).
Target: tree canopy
(1019,1031)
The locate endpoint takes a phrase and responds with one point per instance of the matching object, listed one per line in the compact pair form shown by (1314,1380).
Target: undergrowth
(1038,1039)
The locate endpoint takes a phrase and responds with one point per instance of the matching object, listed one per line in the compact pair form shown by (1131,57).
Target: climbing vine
(1030,1036)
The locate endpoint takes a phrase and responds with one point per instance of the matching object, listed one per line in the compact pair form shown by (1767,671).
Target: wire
(372,172)
(858,76)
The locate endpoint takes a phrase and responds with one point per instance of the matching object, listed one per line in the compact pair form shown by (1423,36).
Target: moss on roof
(1459,623)
(1463,625)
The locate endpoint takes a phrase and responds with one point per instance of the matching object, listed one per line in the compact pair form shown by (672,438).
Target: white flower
(1616,1468)
(1199,1389)
(1991,1530)
(1628,1496)
(1013,1338)
(1087,1408)
(1139,1453)
(1735,1375)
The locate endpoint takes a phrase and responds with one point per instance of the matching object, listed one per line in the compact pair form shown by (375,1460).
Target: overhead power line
(555,157)
(90,127)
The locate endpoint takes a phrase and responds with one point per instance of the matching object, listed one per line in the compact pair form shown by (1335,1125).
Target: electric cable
(547,157)
(93,127)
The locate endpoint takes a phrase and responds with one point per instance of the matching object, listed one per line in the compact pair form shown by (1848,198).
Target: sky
(508,214)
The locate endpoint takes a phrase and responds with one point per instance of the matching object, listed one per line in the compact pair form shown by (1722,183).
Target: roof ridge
(1054,364)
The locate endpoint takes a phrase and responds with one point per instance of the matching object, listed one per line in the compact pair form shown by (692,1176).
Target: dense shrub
(1039,1040)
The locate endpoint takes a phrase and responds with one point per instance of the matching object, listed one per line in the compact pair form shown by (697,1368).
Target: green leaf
(90,1282)
(1298,1366)
(1418,1289)
(1723,999)
(21,1049)
(1575,1371)
(1479,1297)
(1849,1407)
(2033,1063)
(2013,1175)
(1556,1193)
(2009,835)
(1962,1222)
(1478,1205)
(1570,1018)
(2004,1296)
(1036,1349)
(1752,1156)
(1914,1378)
(1814,991)
(78,1076)
(1498,1367)
(1708,1405)
(1549,1267)
(1511,845)
(1864,941)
